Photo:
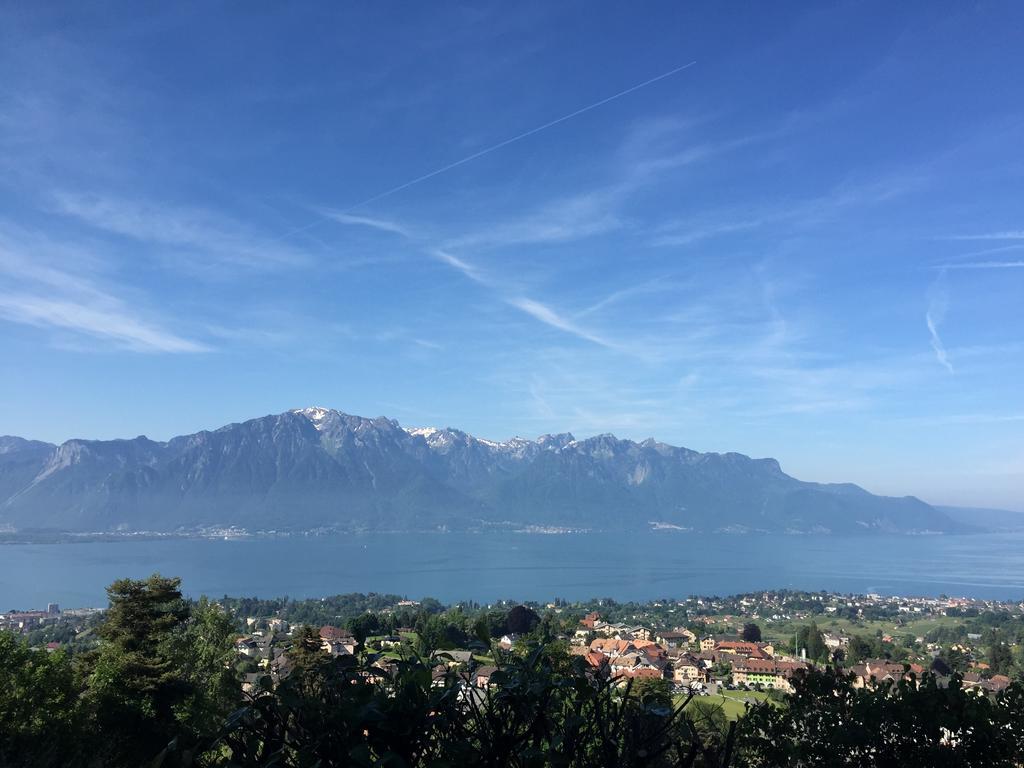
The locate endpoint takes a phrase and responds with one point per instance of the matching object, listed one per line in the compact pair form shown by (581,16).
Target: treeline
(336,609)
(160,689)
(162,671)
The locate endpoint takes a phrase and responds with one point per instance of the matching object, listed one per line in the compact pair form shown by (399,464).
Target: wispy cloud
(650,152)
(103,323)
(938,303)
(205,234)
(990,251)
(646,287)
(984,265)
(687,234)
(461,265)
(381,225)
(964,418)
(804,213)
(549,316)
(561,220)
(1012,234)
(34,292)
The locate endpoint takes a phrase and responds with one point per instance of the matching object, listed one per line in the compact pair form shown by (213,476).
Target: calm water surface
(638,566)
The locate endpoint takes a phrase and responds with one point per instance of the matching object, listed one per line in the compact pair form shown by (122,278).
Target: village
(736,649)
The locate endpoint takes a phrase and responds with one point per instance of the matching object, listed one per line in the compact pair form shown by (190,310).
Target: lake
(625,566)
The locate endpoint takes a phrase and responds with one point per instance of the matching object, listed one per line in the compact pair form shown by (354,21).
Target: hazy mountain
(317,467)
(989,519)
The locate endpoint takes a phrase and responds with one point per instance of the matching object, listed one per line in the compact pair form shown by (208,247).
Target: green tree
(363,626)
(809,638)
(1000,658)
(521,620)
(828,722)
(307,651)
(1018,661)
(540,713)
(956,659)
(751,632)
(135,682)
(858,649)
(653,692)
(709,723)
(41,723)
(205,658)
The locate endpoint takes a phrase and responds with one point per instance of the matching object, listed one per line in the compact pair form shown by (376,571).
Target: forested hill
(315,467)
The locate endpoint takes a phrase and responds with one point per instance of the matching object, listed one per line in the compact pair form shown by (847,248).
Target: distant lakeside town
(744,645)
(10,535)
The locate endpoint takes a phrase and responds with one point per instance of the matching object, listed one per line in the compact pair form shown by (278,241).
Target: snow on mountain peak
(315,413)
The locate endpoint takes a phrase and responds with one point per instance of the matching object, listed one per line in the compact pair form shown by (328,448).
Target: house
(879,670)
(327,632)
(638,633)
(621,631)
(596,659)
(767,673)
(248,647)
(993,684)
(388,669)
(264,645)
(251,682)
(453,658)
(835,641)
(744,648)
(337,641)
(438,675)
(632,665)
(612,647)
(280,667)
(482,675)
(339,647)
(675,638)
(687,668)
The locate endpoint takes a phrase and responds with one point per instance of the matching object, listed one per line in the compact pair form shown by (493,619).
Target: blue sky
(809,244)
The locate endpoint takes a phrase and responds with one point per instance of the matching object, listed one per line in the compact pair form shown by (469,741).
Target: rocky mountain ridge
(315,468)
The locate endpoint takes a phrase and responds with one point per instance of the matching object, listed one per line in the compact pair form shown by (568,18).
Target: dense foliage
(828,722)
(543,710)
(162,672)
(160,687)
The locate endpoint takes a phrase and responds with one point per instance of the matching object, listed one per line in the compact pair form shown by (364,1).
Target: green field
(733,703)
(916,627)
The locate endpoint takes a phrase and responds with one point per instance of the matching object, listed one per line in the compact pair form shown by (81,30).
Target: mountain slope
(989,519)
(315,467)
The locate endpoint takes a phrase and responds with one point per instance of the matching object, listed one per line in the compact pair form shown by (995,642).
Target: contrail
(500,145)
(520,137)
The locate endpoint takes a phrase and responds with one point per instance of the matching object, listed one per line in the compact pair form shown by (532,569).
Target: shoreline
(10,538)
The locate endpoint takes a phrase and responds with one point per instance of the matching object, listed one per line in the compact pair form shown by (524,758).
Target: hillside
(315,467)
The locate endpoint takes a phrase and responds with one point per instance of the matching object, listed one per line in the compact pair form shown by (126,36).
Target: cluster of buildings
(680,657)
(26,621)
(268,648)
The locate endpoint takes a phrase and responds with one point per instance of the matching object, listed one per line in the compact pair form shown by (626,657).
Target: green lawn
(733,702)
(917,627)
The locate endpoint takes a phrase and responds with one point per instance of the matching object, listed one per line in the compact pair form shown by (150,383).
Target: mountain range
(317,468)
